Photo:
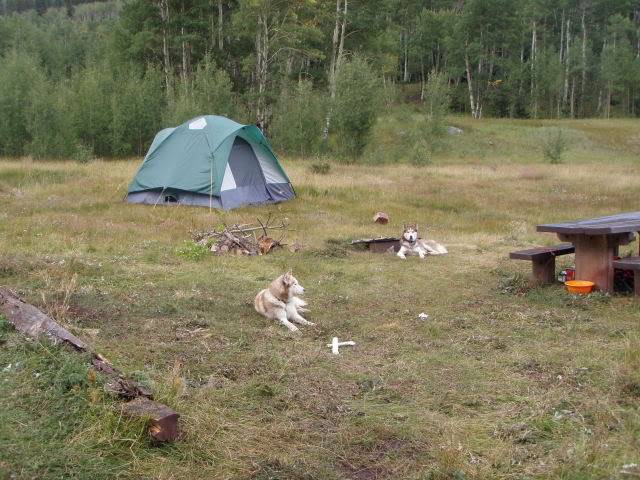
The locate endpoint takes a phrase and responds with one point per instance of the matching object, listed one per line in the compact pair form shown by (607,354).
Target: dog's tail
(434,248)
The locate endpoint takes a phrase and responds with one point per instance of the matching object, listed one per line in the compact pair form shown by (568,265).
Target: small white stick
(335,345)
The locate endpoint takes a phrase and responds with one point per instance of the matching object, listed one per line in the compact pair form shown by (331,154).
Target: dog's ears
(287,277)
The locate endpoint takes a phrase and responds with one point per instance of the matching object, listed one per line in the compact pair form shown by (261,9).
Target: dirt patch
(368,466)
(84,313)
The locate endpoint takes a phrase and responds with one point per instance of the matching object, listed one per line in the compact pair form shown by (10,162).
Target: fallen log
(32,322)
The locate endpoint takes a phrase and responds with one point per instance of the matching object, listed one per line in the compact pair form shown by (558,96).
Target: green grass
(503,381)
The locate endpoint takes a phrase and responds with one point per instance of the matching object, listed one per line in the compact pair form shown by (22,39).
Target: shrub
(91,113)
(5,326)
(437,101)
(429,130)
(298,118)
(19,72)
(421,152)
(82,153)
(321,168)
(356,106)
(555,146)
(192,251)
(209,93)
(136,104)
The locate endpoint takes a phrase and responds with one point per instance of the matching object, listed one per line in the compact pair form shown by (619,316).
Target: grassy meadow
(503,380)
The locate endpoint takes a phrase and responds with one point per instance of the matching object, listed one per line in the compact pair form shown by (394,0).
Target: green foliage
(356,106)
(108,76)
(209,94)
(298,119)
(5,327)
(91,109)
(555,145)
(71,375)
(49,122)
(55,417)
(137,104)
(192,251)
(82,153)
(437,100)
(514,283)
(426,137)
(19,73)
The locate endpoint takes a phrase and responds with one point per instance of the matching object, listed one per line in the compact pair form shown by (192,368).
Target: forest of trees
(99,79)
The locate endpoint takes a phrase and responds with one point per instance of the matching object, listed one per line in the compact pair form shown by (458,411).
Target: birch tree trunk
(337,49)
(560,60)
(220,18)
(334,50)
(343,28)
(567,59)
(572,100)
(472,100)
(584,64)
(186,53)
(422,80)
(405,40)
(262,58)
(163,6)
(186,59)
(534,93)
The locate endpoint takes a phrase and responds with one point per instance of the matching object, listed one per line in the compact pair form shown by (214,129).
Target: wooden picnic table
(596,243)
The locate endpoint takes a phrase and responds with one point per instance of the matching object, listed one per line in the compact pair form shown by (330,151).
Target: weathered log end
(381,218)
(162,421)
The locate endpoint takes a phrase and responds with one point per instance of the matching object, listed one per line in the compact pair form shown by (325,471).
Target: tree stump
(162,421)
(381,218)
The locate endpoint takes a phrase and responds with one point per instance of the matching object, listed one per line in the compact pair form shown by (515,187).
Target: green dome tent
(210,161)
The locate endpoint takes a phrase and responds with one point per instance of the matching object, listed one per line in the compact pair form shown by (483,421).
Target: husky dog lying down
(281,301)
(410,244)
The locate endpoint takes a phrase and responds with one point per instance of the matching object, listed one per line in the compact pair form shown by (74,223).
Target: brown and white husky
(281,301)
(410,244)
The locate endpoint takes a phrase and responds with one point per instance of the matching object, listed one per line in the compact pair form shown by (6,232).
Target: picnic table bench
(543,260)
(630,263)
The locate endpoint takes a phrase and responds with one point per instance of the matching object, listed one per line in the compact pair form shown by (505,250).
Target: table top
(620,223)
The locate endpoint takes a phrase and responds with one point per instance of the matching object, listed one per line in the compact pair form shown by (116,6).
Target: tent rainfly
(210,161)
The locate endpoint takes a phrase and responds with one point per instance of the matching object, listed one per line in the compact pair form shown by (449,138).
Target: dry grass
(502,381)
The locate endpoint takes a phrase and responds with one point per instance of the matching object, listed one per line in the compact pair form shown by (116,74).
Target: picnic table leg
(594,260)
(544,270)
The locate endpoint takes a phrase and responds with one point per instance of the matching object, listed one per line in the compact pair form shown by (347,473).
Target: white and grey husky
(281,301)
(410,244)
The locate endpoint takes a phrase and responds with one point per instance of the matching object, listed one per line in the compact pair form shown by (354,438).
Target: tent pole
(159,197)
(211,185)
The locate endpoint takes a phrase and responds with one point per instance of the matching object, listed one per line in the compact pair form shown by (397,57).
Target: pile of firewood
(242,239)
